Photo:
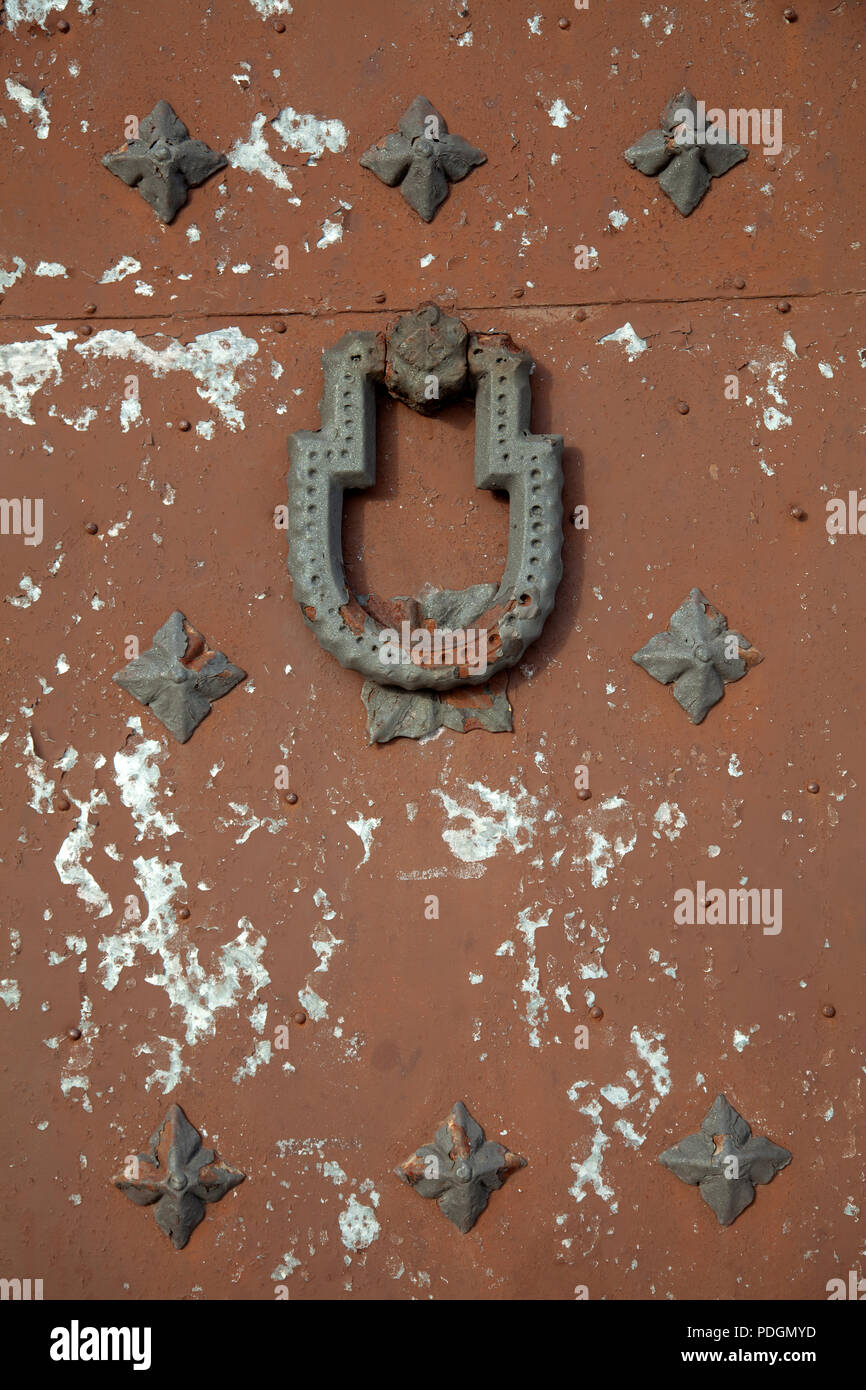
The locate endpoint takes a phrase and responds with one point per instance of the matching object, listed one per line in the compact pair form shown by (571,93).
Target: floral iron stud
(184,1178)
(423,158)
(686,153)
(698,654)
(460,1168)
(163,162)
(163,678)
(725,1161)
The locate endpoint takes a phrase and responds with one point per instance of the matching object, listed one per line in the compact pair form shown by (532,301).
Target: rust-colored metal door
(316,946)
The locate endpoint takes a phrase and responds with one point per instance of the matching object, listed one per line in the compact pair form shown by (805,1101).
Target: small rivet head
(784,306)
(828,1011)
(291,798)
(790,14)
(584,793)
(463,1171)
(739,283)
(184,425)
(798,513)
(75,1033)
(91,528)
(178,1181)
(703,654)
(299,1017)
(596,1011)
(814,788)
(682,407)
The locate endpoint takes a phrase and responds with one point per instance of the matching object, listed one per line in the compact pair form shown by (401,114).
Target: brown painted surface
(418,1013)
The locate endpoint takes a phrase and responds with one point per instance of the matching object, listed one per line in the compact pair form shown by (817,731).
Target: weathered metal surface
(430,919)
(685,153)
(725,1161)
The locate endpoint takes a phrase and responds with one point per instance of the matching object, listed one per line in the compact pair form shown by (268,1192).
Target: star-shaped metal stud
(460,1168)
(179,694)
(686,153)
(164,162)
(184,1177)
(698,654)
(422,158)
(725,1160)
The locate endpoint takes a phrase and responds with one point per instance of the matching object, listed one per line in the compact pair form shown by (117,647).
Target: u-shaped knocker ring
(425,359)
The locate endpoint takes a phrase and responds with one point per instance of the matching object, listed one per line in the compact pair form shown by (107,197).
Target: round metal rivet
(380,297)
(291,798)
(813,787)
(790,14)
(739,283)
(682,407)
(63,26)
(784,306)
(584,793)
(73,1033)
(279,26)
(85,330)
(91,528)
(828,1011)
(565,23)
(183,913)
(580,315)
(299,1016)
(596,1012)
(517,292)
(184,425)
(62,803)
(798,513)
(90,308)
(279,326)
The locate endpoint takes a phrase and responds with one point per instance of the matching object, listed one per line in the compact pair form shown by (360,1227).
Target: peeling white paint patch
(606,845)
(655,1058)
(32,106)
(10,993)
(364,830)
(536,1004)
(41,786)
(213,359)
(253,156)
(36,11)
(734,769)
(427,260)
(237,971)
(29,365)
(247,822)
(669,820)
(535,23)
(75,849)
(358,1225)
(628,339)
(741,1039)
(8,277)
(588,1172)
(505,818)
(268,9)
(50,269)
(127,265)
(137,776)
(331,233)
(259,1057)
(559,114)
(617,218)
(310,135)
(28,593)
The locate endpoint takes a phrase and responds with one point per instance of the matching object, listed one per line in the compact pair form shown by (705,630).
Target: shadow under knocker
(425,359)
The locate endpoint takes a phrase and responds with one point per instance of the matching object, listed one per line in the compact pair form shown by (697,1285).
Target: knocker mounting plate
(425,359)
